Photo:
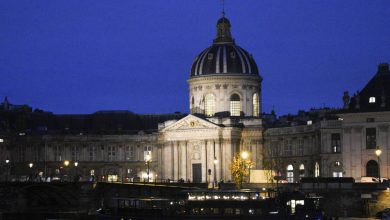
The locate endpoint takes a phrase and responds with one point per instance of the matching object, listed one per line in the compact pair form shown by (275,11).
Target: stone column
(204,161)
(219,158)
(183,159)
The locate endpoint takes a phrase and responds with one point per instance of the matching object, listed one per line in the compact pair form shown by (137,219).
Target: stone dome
(224,56)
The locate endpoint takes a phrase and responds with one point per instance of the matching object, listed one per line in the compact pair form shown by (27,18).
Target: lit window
(235,105)
(301,170)
(309,122)
(337,174)
(256,105)
(209,105)
(290,173)
(337,163)
(335,143)
(147,151)
(317,170)
(129,153)
(371,100)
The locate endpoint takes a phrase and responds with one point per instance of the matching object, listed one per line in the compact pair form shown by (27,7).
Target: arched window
(316,170)
(372,169)
(290,173)
(301,170)
(235,105)
(255,105)
(209,105)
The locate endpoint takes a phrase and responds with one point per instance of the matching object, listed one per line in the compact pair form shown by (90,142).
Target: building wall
(355,152)
(302,145)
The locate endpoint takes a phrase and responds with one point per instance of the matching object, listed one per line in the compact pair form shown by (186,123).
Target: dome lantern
(224,56)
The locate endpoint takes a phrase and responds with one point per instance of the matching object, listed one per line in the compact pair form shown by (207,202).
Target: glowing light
(244,155)
(378,152)
(66,163)
(30,165)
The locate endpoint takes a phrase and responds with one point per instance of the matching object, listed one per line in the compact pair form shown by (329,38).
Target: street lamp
(244,156)
(148,159)
(31,174)
(378,153)
(215,173)
(66,164)
(75,170)
(8,170)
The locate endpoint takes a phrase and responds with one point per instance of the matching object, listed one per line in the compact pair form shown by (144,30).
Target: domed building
(224,78)
(225,106)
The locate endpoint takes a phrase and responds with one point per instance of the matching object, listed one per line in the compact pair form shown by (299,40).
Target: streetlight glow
(66,163)
(244,155)
(378,152)
(30,165)
(215,161)
(148,158)
(7,160)
(76,164)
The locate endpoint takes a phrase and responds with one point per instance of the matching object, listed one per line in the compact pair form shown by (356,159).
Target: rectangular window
(235,108)
(335,143)
(129,153)
(92,153)
(75,153)
(57,153)
(147,151)
(371,100)
(111,151)
(300,147)
(287,148)
(370,138)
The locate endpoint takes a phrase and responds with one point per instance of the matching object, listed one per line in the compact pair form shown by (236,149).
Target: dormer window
(371,100)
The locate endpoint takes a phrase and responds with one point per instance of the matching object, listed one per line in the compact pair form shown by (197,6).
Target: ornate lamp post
(66,163)
(378,153)
(31,173)
(8,169)
(148,159)
(75,169)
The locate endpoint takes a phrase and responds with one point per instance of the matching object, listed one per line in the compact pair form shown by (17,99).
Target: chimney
(383,68)
(346,100)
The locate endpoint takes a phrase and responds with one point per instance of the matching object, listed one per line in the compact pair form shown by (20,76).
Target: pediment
(190,122)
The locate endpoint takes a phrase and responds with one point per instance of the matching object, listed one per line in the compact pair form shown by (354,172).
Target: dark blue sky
(72,56)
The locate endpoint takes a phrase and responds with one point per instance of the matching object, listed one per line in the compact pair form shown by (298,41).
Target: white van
(369,179)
